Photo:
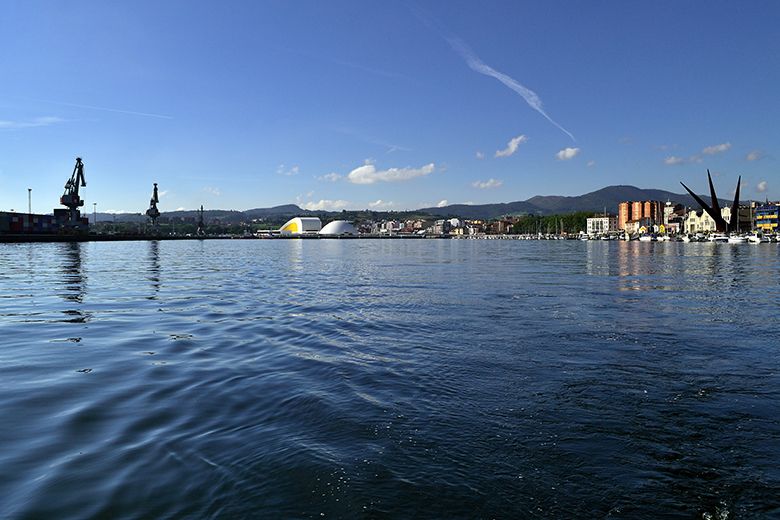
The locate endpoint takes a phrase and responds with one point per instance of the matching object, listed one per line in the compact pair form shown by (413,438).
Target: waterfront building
(412,226)
(475,227)
(389,227)
(631,227)
(624,214)
(338,228)
(441,227)
(636,210)
(668,211)
(301,226)
(766,217)
(674,227)
(653,210)
(640,225)
(698,221)
(600,225)
(501,227)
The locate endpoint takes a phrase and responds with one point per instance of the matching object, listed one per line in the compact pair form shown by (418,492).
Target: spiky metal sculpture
(714,210)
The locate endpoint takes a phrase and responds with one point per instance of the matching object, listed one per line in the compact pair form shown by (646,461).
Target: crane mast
(70,198)
(201,224)
(153,212)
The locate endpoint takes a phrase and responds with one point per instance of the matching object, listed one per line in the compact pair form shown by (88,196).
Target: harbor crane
(201,224)
(70,198)
(153,212)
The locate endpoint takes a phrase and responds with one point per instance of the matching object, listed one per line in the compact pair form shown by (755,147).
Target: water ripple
(385,379)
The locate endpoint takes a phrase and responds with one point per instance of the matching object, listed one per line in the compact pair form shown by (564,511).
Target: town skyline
(386,107)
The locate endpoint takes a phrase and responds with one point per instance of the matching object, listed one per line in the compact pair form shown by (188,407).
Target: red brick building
(637,210)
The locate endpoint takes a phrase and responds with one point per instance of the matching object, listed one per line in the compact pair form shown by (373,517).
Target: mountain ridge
(597,201)
(606,198)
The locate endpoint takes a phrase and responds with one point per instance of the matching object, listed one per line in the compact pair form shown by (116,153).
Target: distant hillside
(227,216)
(277,211)
(597,201)
(484,211)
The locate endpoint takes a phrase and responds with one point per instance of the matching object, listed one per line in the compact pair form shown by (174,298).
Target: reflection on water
(73,287)
(154,268)
(295,250)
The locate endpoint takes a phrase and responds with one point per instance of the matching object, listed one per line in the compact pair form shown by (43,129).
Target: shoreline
(42,238)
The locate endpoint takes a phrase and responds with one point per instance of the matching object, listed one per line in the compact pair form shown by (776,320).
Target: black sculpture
(714,211)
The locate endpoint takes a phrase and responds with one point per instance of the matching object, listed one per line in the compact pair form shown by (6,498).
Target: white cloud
(591,164)
(754,155)
(330,177)
(38,121)
(567,154)
(107,109)
(381,204)
(180,208)
(716,148)
(762,187)
(673,160)
(477,65)
(479,155)
(162,193)
(282,170)
(326,205)
(212,191)
(511,146)
(442,203)
(368,174)
(490,183)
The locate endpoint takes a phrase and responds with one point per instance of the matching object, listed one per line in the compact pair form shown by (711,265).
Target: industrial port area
(69,225)
(649,220)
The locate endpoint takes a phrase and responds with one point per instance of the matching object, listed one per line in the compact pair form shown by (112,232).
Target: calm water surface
(389,379)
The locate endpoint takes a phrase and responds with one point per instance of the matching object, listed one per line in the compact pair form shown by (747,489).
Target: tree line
(566,223)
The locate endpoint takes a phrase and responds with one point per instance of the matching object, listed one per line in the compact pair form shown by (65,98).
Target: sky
(383,105)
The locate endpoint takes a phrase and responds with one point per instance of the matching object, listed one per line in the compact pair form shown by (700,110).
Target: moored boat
(755,238)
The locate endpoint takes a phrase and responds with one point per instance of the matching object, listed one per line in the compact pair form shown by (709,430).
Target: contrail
(104,109)
(473,61)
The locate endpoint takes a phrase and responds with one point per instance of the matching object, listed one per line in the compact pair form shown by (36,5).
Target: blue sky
(386,105)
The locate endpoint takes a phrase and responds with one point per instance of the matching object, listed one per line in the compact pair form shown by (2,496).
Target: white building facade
(698,221)
(601,225)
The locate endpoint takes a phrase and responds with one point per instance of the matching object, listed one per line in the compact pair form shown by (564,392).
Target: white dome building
(338,228)
(301,226)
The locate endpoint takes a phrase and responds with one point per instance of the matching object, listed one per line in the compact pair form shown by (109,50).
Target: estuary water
(389,379)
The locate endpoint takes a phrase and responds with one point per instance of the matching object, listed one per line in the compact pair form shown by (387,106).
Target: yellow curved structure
(301,226)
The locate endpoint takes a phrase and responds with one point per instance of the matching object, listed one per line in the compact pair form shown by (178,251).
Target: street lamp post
(29,201)
(94,213)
